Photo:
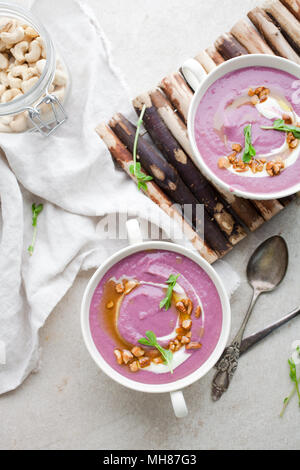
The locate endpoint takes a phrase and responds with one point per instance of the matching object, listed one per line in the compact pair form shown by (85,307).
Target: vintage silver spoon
(265,271)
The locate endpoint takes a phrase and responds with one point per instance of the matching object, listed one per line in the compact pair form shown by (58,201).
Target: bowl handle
(134,232)
(179,405)
(194,73)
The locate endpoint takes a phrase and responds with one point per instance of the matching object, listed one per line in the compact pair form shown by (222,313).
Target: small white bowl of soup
(257,92)
(122,302)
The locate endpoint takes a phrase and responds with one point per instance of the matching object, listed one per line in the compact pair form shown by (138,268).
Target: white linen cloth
(72,174)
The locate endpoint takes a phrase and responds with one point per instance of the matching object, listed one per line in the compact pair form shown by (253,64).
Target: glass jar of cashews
(34,80)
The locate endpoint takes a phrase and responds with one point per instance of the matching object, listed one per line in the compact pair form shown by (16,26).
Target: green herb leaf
(152,341)
(168,357)
(36,210)
(135,169)
(145,342)
(166,302)
(293,372)
(280,125)
(152,337)
(249,150)
(293,375)
(296,381)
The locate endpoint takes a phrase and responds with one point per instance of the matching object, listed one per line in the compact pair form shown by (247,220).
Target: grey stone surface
(69,403)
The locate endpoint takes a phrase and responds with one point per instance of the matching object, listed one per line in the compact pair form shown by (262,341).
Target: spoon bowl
(268,264)
(265,271)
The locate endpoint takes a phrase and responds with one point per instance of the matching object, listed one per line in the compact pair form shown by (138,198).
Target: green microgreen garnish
(171,282)
(296,381)
(293,375)
(151,340)
(36,210)
(249,150)
(135,169)
(280,125)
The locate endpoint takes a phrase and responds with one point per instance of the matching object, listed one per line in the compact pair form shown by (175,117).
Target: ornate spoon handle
(227,364)
(226,367)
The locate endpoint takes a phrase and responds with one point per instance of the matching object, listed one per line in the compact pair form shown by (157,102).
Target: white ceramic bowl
(175,387)
(195,75)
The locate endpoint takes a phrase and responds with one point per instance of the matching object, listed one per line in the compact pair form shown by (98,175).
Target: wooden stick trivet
(272,34)
(124,158)
(288,24)
(228,46)
(268,208)
(293,6)
(244,32)
(178,92)
(214,55)
(206,61)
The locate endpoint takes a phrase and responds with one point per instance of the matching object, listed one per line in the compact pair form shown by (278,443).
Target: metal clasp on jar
(56,111)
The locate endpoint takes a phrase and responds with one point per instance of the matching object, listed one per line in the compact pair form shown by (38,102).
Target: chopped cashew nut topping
(127,356)
(134,366)
(259,95)
(194,345)
(137,351)
(187,324)
(198,312)
(119,288)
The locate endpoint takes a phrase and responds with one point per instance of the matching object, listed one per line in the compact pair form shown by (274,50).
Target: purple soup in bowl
(121,316)
(244,127)
(123,302)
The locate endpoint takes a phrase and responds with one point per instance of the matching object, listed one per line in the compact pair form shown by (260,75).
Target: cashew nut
(3,61)
(42,44)
(19,123)
(28,84)
(59,92)
(19,70)
(23,71)
(2,46)
(6,24)
(2,88)
(4,79)
(19,51)
(14,36)
(34,52)
(40,66)
(60,78)
(14,82)
(11,94)
(30,72)
(30,32)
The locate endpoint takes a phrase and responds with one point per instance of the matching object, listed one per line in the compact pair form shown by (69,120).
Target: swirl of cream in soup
(275,107)
(139,311)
